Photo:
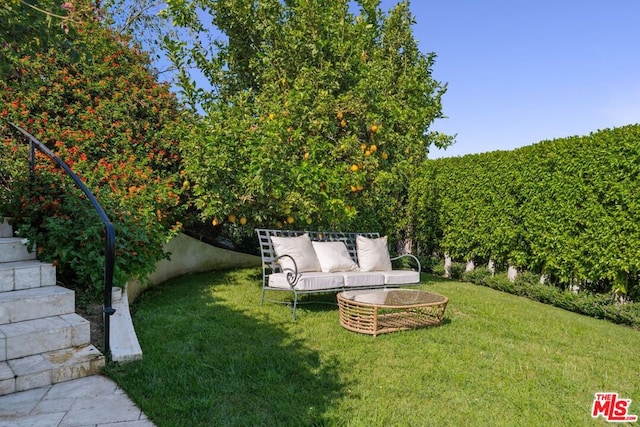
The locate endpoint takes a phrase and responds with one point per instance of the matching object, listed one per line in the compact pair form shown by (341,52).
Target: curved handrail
(110,233)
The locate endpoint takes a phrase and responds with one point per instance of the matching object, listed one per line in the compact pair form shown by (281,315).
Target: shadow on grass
(208,363)
(322,302)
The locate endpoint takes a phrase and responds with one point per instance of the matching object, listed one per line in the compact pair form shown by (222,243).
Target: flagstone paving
(94,401)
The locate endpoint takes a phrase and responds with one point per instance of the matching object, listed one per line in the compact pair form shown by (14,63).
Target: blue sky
(523,71)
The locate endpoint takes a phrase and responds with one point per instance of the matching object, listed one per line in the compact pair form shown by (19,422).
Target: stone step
(49,368)
(14,249)
(36,336)
(35,303)
(19,275)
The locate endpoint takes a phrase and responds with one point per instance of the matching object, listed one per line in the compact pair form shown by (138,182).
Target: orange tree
(89,95)
(316,115)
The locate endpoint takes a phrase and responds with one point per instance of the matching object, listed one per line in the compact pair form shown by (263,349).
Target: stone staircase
(42,340)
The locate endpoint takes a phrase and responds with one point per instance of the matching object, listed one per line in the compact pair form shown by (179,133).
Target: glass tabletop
(394,297)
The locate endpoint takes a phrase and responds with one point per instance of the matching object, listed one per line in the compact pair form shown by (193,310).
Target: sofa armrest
(410,256)
(292,275)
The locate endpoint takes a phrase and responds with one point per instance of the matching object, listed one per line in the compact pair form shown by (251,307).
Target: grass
(213,356)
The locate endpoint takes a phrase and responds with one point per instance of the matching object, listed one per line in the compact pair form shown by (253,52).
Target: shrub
(626,314)
(501,282)
(589,304)
(438,268)
(430,263)
(542,293)
(104,114)
(479,275)
(526,278)
(457,270)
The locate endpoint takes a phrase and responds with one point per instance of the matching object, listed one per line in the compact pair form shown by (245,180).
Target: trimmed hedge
(589,304)
(567,208)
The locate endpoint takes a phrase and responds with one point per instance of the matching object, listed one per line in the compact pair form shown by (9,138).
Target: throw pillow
(373,254)
(334,256)
(300,249)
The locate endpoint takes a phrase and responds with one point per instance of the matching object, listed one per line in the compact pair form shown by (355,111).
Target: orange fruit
(363,147)
(272,116)
(374,128)
(354,188)
(339,115)
(232,218)
(373,148)
(306,156)
(354,168)
(215,222)
(290,219)
(367,153)
(343,123)
(384,156)
(243,221)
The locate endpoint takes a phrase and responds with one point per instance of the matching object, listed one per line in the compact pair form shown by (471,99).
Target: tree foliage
(39,26)
(89,95)
(316,115)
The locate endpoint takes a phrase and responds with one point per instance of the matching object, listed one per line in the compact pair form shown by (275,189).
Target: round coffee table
(381,311)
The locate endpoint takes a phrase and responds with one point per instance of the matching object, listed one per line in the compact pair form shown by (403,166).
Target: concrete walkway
(90,401)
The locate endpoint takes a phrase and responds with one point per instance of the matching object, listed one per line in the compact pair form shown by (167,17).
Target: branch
(64,18)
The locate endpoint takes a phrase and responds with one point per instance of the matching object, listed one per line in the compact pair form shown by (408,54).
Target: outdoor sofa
(306,262)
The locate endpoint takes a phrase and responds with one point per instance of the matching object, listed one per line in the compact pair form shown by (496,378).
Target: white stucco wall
(189,255)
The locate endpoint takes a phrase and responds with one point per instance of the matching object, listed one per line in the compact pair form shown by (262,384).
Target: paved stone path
(93,401)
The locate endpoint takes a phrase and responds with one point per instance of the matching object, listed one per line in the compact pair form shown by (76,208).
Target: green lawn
(213,356)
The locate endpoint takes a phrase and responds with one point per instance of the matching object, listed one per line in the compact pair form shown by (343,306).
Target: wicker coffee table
(390,310)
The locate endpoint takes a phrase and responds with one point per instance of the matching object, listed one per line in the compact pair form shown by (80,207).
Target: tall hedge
(567,208)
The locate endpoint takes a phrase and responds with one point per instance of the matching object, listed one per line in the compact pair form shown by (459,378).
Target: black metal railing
(110,233)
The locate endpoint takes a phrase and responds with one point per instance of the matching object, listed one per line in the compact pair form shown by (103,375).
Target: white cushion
(400,277)
(307,281)
(300,249)
(334,256)
(363,278)
(373,254)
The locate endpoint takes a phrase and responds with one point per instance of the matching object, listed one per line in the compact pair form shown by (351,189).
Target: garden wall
(189,255)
